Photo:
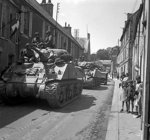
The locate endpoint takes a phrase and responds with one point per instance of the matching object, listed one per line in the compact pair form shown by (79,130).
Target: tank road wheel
(79,87)
(77,90)
(70,95)
(50,94)
(55,95)
(61,96)
(65,95)
(61,93)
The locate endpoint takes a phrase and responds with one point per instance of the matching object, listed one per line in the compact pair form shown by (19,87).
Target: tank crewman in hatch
(29,54)
(36,40)
(48,39)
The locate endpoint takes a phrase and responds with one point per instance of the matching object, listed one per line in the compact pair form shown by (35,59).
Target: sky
(103,19)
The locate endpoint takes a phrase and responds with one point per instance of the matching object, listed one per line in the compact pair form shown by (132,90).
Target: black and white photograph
(74,70)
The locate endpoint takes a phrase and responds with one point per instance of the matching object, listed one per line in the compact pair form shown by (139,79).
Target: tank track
(60,93)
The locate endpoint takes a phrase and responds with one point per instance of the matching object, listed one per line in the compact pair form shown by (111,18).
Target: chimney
(88,36)
(128,15)
(48,7)
(49,1)
(67,28)
(65,24)
(76,34)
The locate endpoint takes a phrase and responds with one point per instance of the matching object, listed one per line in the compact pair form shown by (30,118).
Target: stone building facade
(125,57)
(20,19)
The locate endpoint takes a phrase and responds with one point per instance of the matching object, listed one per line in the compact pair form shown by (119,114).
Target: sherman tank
(94,77)
(51,77)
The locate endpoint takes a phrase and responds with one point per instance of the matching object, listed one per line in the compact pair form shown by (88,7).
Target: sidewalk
(122,126)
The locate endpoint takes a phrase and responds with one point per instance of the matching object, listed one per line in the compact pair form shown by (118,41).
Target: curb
(112,129)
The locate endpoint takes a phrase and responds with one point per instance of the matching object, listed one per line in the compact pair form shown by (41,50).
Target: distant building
(106,65)
(85,43)
(114,66)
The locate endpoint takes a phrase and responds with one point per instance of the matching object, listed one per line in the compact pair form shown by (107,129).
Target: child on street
(137,95)
(130,96)
(140,99)
(123,95)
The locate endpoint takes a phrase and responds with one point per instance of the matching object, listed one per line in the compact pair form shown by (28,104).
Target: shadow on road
(82,103)
(9,114)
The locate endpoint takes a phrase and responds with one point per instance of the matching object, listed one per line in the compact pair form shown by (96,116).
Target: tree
(93,57)
(103,54)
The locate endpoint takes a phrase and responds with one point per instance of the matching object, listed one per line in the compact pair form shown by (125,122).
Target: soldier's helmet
(48,32)
(27,45)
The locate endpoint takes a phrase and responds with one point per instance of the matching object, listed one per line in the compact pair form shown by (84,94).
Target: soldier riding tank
(53,77)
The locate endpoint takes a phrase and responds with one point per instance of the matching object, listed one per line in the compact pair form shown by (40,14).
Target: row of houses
(20,19)
(134,57)
(130,58)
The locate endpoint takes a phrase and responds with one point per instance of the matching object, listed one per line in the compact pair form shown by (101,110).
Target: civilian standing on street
(123,95)
(140,99)
(137,96)
(130,96)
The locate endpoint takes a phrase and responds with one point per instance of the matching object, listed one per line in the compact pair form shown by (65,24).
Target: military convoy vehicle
(52,77)
(94,77)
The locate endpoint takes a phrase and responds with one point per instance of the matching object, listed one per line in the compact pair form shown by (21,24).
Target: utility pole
(57,11)
(146,101)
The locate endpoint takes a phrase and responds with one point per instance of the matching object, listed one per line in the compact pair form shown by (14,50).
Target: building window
(10,59)
(26,23)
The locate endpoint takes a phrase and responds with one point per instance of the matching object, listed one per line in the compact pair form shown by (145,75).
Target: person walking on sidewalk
(123,95)
(130,96)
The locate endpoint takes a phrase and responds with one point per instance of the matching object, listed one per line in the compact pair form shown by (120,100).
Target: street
(84,119)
